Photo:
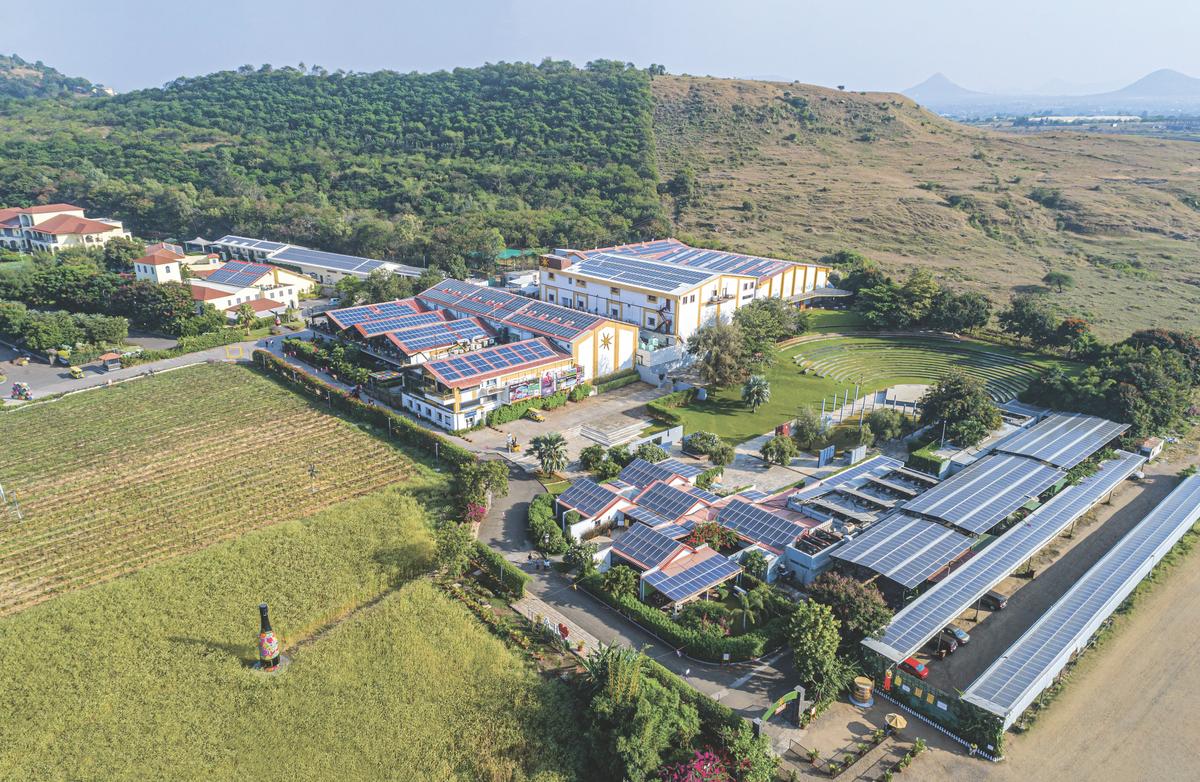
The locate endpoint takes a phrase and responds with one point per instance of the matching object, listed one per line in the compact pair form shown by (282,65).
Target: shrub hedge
(507,413)
(753,644)
(924,460)
(620,382)
(544,531)
(662,408)
(506,573)
(580,392)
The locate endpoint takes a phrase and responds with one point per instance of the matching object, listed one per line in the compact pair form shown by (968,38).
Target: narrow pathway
(535,610)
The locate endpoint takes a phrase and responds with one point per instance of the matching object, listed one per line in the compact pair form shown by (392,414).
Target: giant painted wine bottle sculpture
(268,644)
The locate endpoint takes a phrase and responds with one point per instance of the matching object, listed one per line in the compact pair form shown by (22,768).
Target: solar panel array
(674,251)
(239,273)
(753,495)
(642,473)
(699,493)
(646,516)
(519,312)
(666,500)
(917,622)
(247,243)
(352,316)
(985,493)
(906,549)
(470,367)
(641,272)
(546,318)
(380,326)
(758,525)
(1011,683)
(645,547)
(335,261)
(681,468)
(1063,439)
(438,335)
(704,575)
(587,497)
(876,465)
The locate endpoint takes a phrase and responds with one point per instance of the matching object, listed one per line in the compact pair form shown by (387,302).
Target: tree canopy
(963,404)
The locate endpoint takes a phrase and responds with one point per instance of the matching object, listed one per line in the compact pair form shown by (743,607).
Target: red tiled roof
(260,306)
(204,293)
(201,273)
(67,224)
(49,208)
(159,257)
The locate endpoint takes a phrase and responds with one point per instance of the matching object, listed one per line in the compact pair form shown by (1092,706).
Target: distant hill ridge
(1163,84)
(22,79)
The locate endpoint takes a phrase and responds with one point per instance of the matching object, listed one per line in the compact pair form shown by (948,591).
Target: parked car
(994,601)
(915,666)
(534,415)
(941,645)
(958,634)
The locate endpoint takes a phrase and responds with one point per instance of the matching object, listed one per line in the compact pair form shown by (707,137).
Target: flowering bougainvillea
(475,512)
(705,766)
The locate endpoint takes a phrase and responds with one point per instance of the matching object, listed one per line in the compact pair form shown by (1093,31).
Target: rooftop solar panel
(753,495)
(1011,683)
(239,274)
(876,465)
(481,364)
(1063,439)
(986,493)
(435,335)
(906,549)
(379,326)
(666,500)
(642,473)
(681,468)
(707,496)
(641,272)
(645,547)
(758,525)
(917,622)
(587,497)
(351,316)
(247,243)
(694,580)
(646,516)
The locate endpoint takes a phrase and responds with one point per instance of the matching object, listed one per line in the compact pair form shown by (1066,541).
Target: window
(581,283)
(615,291)
(549,297)
(650,321)
(616,312)
(549,275)
(652,299)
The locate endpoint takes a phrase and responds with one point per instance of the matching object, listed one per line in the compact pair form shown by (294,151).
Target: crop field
(112,480)
(148,676)
(803,374)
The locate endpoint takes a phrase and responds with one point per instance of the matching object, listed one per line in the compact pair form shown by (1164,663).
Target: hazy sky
(1010,45)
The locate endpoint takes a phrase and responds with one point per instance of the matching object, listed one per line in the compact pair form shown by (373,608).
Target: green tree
(591,457)
(962,403)
(551,452)
(620,455)
(452,550)
(859,607)
(651,453)
(1029,317)
(621,581)
(246,317)
(720,353)
(119,254)
(779,450)
(755,563)
(630,739)
(957,312)
(752,604)
(581,558)
(751,757)
(886,424)
(764,322)
(1059,280)
(722,455)
(806,429)
(702,442)
(478,478)
(756,392)
(814,635)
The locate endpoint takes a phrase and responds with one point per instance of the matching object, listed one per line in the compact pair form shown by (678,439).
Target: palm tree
(752,607)
(756,392)
(246,317)
(551,451)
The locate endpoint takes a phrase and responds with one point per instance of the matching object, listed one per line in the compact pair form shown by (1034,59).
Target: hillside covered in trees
(22,79)
(437,167)
(367,163)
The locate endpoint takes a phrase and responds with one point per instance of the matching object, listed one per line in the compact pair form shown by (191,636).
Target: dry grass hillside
(801,171)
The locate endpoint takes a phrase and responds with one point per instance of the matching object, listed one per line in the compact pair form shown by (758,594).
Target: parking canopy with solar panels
(921,619)
(1031,664)
(470,369)
(1063,439)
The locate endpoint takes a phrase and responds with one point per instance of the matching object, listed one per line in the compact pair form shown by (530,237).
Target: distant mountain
(1161,92)
(1164,83)
(938,88)
(22,79)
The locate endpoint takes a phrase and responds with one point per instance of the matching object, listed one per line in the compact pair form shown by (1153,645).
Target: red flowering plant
(713,534)
(705,766)
(475,512)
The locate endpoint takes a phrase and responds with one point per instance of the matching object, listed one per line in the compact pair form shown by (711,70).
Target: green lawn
(146,677)
(837,320)
(875,363)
